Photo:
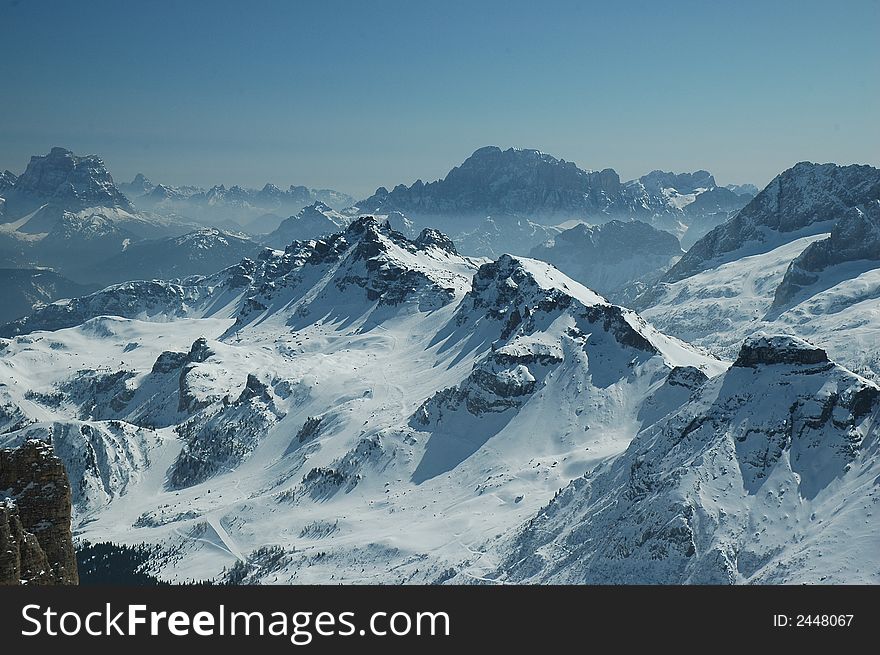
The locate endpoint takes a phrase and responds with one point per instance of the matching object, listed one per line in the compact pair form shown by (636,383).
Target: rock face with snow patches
(856,236)
(806,199)
(65,180)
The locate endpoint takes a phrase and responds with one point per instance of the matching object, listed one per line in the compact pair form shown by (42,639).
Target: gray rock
(854,237)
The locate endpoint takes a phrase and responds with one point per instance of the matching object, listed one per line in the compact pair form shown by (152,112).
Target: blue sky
(353,95)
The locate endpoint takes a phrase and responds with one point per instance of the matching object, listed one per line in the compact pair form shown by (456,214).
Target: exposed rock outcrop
(36,546)
(779,349)
(732,487)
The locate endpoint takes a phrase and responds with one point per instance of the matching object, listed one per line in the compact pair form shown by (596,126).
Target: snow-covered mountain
(372,408)
(367,401)
(766,474)
(806,199)
(312,222)
(855,237)
(62,179)
(686,204)
(759,271)
(610,256)
(66,214)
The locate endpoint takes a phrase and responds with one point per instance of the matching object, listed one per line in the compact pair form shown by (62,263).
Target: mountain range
(529,184)
(257,211)
(364,399)
(66,214)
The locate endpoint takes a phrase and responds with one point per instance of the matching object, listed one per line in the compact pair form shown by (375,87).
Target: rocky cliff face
(36,545)
(807,198)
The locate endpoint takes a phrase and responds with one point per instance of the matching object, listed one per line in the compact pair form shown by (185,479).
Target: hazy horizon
(353,97)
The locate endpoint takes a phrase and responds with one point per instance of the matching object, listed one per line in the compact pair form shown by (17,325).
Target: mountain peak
(57,151)
(512,182)
(320,206)
(315,221)
(70,181)
(431,237)
(683,183)
(139,186)
(520,280)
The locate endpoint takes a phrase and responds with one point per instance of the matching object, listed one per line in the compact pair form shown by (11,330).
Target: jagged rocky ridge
(516,185)
(363,247)
(257,210)
(541,325)
(194,411)
(332,393)
(776,268)
(514,181)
